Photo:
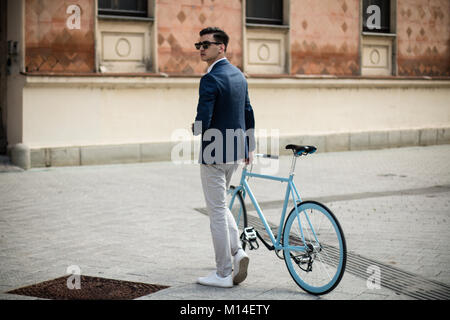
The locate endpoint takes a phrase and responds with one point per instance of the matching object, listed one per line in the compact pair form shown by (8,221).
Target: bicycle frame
(291,191)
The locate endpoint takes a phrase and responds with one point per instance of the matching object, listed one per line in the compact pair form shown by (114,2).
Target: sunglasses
(205,44)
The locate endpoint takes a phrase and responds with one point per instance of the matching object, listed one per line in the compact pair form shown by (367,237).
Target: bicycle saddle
(301,150)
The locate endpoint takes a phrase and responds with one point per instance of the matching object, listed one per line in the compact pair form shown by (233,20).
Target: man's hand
(249,160)
(196,128)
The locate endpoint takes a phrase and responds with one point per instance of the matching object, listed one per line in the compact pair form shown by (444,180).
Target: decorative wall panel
(179,23)
(59,36)
(377,56)
(423,31)
(325,37)
(266,51)
(124,46)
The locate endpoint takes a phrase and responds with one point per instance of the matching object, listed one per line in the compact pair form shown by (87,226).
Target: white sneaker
(241,261)
(216,281)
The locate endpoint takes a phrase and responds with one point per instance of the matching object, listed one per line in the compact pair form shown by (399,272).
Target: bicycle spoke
(323,265)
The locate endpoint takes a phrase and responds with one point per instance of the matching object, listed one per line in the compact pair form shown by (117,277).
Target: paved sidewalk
(138,222)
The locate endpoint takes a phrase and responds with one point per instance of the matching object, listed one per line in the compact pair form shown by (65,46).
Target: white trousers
(216,180)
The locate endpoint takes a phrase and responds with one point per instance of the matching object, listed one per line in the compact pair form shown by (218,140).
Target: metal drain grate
(91,288)
(398,280)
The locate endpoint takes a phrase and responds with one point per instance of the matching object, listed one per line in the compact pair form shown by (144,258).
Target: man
(225,120)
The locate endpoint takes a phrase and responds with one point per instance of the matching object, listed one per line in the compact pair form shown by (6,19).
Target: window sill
(125,18)
(267,26)
(391,35)
(155,81)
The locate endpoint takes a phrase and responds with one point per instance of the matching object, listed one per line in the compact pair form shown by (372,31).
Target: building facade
(114,81)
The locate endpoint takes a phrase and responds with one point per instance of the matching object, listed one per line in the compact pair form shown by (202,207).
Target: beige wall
(347,106)
(115,114)
(80,111)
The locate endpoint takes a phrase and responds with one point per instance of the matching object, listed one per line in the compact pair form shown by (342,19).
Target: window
(264,11)
(134,8)
(376,16)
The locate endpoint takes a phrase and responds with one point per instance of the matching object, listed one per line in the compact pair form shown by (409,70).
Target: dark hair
(219,35)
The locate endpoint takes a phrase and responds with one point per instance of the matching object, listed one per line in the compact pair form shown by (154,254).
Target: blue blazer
(224,115)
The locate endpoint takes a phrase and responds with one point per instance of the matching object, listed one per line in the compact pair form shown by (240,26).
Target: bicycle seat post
(293,163)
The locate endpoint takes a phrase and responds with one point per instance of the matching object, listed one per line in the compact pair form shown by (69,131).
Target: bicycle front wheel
(239,212)
(315,252)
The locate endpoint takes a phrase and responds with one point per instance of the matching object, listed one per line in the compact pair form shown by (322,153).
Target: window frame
(279,20)
(385,16)
(121,12)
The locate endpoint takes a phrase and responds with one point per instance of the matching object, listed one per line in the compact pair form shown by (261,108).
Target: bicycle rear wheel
(239,211)
(319,266)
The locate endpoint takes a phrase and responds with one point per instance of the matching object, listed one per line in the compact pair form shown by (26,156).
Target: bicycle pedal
(250,233)
(250,237)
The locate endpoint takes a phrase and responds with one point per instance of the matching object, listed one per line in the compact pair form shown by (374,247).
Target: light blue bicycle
(310,240)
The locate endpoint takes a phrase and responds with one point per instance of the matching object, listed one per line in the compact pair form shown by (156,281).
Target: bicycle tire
(327,248)
(241,220)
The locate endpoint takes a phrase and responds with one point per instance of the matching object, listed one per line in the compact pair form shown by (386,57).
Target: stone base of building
(147,152)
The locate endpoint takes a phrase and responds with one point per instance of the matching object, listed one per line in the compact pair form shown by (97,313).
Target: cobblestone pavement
(138,222)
